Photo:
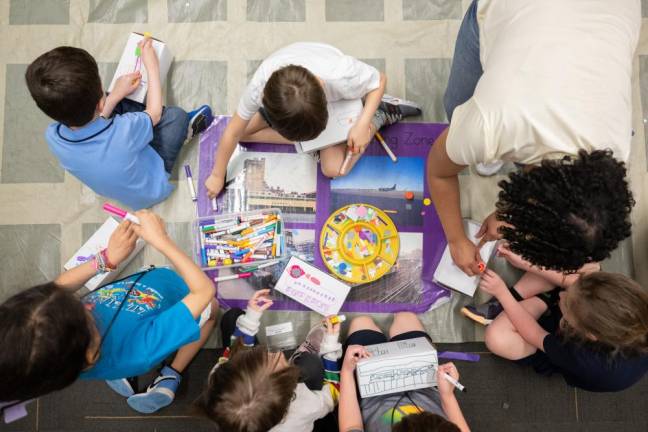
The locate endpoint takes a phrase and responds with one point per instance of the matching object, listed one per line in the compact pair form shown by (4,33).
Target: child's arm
(125,85)
(331,352)
(363,131)
(449,402)
(231,136)
(247,325)
(350,415)
(443,181)
(525,324)
(154,91)
(556,278)
(201,289)
(120,246)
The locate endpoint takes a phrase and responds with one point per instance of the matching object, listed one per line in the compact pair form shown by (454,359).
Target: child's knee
(175,115)
(496,340)
(362,322)
(330,169)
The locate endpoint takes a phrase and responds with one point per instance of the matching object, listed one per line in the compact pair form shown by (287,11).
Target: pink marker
(120,213)
(232,277)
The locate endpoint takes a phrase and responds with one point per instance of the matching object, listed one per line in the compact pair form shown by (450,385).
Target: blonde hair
(612,309)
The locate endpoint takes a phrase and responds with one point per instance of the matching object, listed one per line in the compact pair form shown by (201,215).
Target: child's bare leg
(258,130)
(332,158)
(405,322)
(531,284)
(186,353)
(363,323)
(502,338)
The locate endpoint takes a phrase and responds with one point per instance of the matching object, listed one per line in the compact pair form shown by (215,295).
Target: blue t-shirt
(153,323)
(113,158)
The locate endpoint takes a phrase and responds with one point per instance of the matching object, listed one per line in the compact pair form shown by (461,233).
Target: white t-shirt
(344,76)
(557,79)
(307,407)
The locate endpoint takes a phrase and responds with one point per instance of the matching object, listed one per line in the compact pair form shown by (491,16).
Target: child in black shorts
(429,409)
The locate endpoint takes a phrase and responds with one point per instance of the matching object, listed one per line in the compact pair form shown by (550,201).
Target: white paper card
(97,242)
(451,276)
(312,287)
(396,367)
(277,329)
(343,114)
(129,63)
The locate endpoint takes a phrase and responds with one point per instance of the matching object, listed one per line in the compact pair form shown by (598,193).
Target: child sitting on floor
(253,390)
(119,148)
(286,101)
(120,330)
(594,332)
(427,409)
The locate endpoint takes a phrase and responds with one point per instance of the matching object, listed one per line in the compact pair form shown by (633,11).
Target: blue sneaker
(159,394)
(121,386)
(199,120)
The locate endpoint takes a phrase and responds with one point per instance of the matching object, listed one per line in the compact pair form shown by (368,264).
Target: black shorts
(372,337)
(550,322)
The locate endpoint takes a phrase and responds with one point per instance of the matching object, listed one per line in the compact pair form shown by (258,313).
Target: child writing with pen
(251,389)
(428,409)
(121,330)
(121,149)
(286,101)
(590,327)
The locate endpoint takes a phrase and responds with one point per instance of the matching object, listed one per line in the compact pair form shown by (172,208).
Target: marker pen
(192,189)
(337,319)
(454,382)
(109,208)
(232,277)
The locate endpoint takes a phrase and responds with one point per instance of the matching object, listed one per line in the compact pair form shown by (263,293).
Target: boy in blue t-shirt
(121,330)
(120,149)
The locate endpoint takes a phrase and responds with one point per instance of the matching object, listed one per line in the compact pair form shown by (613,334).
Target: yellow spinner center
(359,243)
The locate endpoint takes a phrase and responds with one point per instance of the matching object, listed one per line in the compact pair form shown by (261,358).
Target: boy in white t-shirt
(286,101)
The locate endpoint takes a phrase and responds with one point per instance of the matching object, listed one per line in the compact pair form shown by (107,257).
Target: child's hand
(514,259)
(121,243)
(260,301)
(359,138)
(151,228)
(126,84)
(465,256)
(331,328)
(489,229)
(149,58)
(214,185)
(445,387)
(354,353)
(492,283)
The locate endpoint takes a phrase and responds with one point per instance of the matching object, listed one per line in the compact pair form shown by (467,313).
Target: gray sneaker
(311,344)
(395,109)
(484,313)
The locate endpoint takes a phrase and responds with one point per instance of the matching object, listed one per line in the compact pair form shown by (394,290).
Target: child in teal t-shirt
(121,330)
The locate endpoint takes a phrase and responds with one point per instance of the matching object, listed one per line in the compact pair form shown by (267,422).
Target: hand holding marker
(109,208)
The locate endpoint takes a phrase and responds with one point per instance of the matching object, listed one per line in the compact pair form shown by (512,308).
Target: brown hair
(295,103)
(244,394)
(425,422)
(65,84)
(613,309)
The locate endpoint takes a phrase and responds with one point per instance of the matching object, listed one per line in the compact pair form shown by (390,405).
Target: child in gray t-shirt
(431,409)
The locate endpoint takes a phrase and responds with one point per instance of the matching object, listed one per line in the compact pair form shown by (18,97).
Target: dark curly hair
(567,212)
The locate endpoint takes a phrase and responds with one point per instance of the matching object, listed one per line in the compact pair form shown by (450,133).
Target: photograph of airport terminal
(376,180)
(261,182)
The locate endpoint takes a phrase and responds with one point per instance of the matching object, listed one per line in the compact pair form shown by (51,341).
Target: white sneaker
(489,169)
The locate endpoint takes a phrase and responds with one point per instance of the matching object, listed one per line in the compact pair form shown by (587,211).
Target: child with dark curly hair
(592,329)
(507,101)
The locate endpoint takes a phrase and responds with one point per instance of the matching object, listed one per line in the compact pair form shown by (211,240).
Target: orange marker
(482,267)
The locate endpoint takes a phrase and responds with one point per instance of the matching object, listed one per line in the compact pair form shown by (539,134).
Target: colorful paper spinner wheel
(359,243)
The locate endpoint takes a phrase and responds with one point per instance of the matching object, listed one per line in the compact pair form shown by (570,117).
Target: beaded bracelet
(101,263)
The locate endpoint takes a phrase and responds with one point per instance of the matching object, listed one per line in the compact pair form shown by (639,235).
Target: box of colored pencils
(238,239)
